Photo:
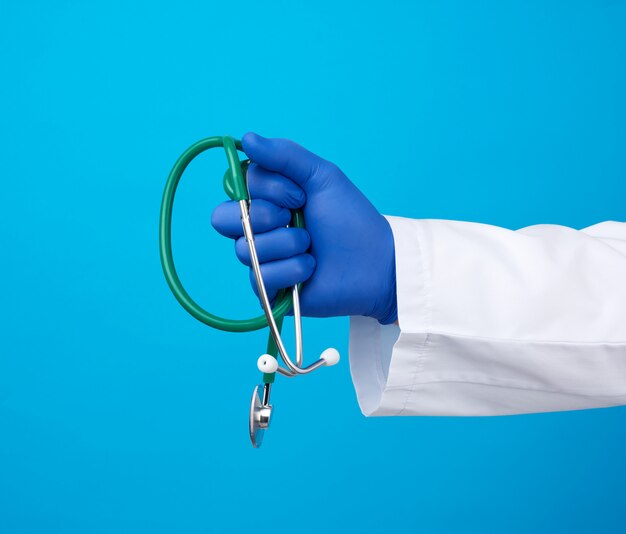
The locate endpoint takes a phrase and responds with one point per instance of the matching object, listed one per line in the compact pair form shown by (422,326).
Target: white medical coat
(493,321)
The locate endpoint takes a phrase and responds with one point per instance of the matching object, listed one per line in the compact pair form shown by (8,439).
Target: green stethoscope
(236,188)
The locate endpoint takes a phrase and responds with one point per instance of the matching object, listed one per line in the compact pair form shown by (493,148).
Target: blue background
(119,413)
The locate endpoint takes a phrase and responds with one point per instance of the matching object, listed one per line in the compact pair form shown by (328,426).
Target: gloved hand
(346,254)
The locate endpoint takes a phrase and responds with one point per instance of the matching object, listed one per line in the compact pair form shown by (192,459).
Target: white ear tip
(267,363)
(330,355)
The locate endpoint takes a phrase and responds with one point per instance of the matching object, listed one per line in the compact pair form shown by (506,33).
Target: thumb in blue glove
(346,254)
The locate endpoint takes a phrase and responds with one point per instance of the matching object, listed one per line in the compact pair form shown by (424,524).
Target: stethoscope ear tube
(237,188)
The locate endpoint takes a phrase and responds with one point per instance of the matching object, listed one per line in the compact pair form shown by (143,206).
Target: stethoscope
(235,185)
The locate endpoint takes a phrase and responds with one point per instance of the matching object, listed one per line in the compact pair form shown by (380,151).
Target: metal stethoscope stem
(260,407)
(293,369)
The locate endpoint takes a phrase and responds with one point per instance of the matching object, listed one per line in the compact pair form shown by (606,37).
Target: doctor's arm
(447,317)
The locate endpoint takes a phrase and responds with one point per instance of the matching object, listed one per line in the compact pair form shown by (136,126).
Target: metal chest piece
(260,414)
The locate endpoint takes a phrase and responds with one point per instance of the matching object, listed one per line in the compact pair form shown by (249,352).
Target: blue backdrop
(121,414)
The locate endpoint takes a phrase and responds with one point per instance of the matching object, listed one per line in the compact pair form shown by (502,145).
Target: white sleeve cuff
(454,354)
(385,359)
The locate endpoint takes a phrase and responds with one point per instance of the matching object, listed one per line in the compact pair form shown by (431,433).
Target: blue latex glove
(346,254)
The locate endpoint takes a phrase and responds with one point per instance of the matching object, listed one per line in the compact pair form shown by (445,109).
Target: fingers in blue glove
(353,271)
(277,244)
(284,273)
(274,187)
(264,216)
(282,156)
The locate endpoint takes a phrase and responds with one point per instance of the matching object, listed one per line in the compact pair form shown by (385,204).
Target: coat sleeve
(493,322)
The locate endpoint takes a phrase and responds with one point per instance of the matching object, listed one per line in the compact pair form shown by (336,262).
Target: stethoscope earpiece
(267,363)
(330,356)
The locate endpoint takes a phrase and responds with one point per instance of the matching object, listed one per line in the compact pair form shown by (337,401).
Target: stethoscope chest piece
(260,415)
